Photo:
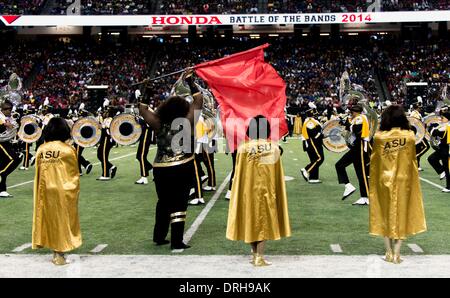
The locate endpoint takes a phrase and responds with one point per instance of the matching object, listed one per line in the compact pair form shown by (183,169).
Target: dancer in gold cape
(56,222)
(258,207)
(396,206)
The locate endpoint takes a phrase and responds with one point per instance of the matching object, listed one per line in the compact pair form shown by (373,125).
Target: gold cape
(56,222)
(396,206)
(297,125)
(258,207)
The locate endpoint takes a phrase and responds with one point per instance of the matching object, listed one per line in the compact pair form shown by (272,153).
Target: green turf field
(121,214)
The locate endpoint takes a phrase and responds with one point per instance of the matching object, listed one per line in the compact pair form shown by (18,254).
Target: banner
(234,19)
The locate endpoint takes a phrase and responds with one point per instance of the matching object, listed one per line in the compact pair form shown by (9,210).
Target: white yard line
(336,248)
(99,248)
(415,248)
(95,164)
(201,217)
(22,247)
(432,183)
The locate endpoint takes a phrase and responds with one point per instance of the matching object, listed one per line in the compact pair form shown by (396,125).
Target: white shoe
(442,176)
(446,190)
(361,201)
(101,178)
(192,191)
(349,190)
(197,201)
(305,174)
(203,178)
(209,188)
(4,194)
(314,181)
(420,170)
(228,195)
(22,168)
(143,181)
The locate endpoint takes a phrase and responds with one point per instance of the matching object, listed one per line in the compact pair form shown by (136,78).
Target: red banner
(246,86)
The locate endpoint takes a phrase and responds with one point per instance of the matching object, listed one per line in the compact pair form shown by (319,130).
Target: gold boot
(260,262)
(389,256)
(396,259)
(59,259)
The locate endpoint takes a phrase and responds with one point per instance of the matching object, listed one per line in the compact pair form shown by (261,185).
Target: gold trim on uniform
(180,219)
(182,213)
(172,163)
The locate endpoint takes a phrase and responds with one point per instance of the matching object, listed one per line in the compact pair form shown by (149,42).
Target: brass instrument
(434,141)
(419,128)
(29,130)
(86,132)
(125,129)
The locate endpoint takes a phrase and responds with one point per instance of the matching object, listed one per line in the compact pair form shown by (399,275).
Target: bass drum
(335,136)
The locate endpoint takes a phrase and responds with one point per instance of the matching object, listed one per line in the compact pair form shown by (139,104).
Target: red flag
(246,86)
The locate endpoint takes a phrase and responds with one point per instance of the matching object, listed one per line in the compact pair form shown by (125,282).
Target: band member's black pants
(103,150)
(172,186)
(142,152)
(439,160)
(421,149)
(27,156)
(233,156)
(8,162)
(316,156)
(198,174)
(82,162)
(360,161)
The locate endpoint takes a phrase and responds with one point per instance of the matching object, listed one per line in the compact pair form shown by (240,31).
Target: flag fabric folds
(246,86)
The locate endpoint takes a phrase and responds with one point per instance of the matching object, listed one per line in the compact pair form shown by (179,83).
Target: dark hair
(7,104)
(394,116)
(57,129)
(258,128)
(172,108)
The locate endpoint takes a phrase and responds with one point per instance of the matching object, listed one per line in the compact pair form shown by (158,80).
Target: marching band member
(56,223)
(142,152)
(358,156)
(106,143)
(258,207)
(423,146)
(312,144)
(172,165)
(45,118)
(28,158)
(9,160)
(396,205)
(82,162)
(440,159)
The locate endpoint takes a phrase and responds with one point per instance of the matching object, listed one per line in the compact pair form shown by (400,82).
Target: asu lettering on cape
(394,145)
(50,157)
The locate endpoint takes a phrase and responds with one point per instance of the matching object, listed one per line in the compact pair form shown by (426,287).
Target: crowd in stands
(135,7)
(311,70)
(21,7)
(327,6)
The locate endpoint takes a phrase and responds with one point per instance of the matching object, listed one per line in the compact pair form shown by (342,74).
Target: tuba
(30,130)
(209,113)
(427,121)
(419,129)
(336,138)
(86,132)
(125,129)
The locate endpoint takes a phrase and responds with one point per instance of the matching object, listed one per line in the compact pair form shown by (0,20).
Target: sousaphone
(86,132)
(125,129)
(29,130)
(419,129)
